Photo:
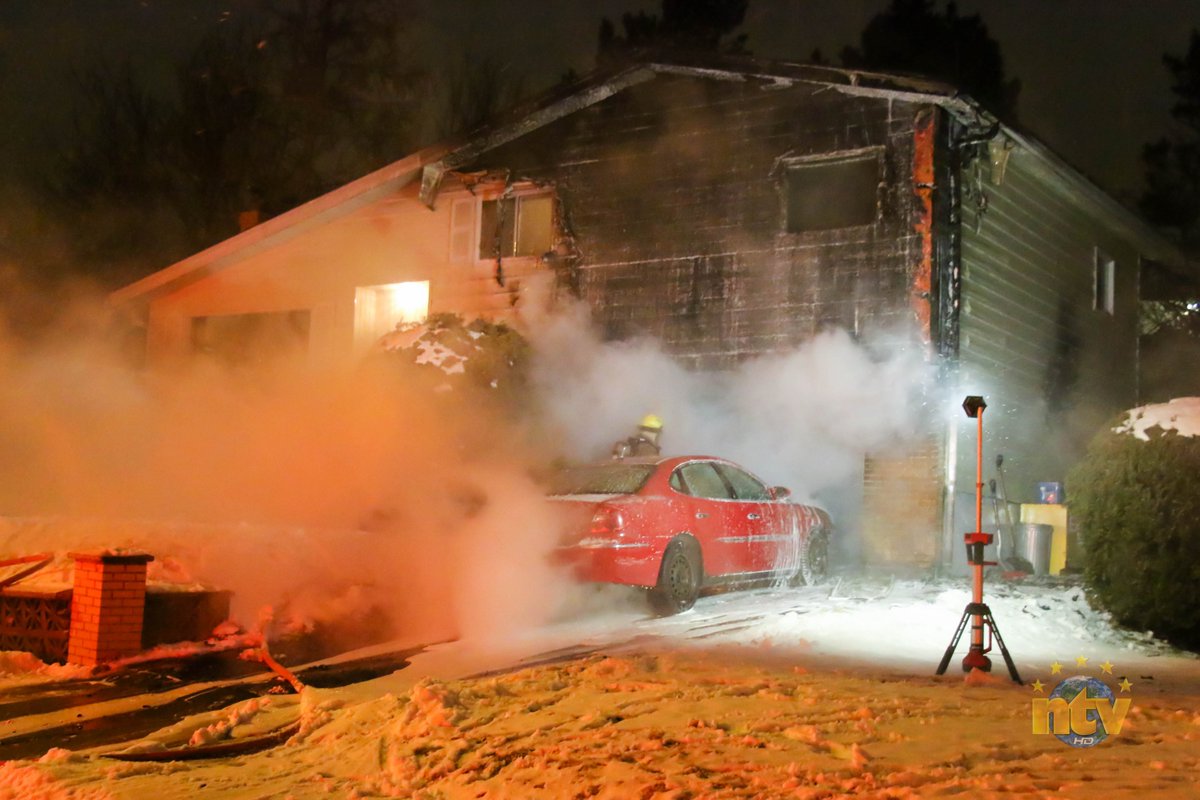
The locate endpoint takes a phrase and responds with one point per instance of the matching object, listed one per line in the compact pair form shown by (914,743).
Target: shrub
(1137,504)
(484,357)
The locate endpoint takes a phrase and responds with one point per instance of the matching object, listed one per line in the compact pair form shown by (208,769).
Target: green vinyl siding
(1052,368)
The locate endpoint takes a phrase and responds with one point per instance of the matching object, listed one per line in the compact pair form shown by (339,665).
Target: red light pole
(977,611)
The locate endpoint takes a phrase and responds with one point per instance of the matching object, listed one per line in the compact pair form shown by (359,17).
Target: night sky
(1093,84)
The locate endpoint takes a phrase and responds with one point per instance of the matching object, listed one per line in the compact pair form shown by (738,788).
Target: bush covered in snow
(473,356)
(1136,498)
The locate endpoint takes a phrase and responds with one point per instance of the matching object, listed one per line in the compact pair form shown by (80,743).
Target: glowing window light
(381,309)
(409,301)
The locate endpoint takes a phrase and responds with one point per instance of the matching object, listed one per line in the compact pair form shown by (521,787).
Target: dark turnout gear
(642,443)
(635,446)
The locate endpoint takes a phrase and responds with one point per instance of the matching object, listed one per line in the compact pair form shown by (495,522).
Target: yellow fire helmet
(651,422)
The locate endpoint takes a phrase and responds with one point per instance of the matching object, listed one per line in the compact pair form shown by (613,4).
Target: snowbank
(816,692)
(733,724)
(25,668)
(20,782)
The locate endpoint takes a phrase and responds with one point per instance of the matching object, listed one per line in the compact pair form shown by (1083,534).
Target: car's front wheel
(679,579)
(814,558)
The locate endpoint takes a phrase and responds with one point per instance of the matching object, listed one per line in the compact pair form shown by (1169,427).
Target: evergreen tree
(1172,197)
(682,25)
(912,36)
(274,107)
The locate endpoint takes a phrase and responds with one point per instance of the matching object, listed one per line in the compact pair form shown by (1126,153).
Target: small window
(830,192)
(745,486)
(703,481)
(1105,276)
(462,230)
(677,482)
(516,226)
(246,339)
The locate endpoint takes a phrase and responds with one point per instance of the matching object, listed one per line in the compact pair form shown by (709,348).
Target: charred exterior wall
(674,193)
(675,197)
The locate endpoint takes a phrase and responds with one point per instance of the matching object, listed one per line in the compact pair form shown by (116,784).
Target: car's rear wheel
(814,558)
(679,579)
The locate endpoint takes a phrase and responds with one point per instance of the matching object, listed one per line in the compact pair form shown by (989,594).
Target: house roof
(432,163)
(279,229)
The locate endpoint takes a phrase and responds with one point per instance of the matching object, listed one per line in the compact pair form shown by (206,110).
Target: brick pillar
(107,606)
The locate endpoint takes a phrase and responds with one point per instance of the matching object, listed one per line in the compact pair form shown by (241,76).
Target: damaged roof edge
(742,68)
(556,104)
(1159,246)
(280,229)
(539,115)
(432,163)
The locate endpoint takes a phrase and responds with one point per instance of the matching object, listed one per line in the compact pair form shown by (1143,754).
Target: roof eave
(280,229)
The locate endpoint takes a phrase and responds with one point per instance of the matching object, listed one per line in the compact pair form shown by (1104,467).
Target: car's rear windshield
(601,479)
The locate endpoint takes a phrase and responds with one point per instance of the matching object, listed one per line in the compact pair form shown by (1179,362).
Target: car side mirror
(780,492)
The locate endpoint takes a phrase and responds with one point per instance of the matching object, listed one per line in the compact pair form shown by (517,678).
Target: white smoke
(261,486)
(803,418)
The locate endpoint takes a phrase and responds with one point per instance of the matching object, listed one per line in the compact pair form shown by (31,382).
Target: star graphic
(1081,661)
(1125,685)
(1106,667)
(1056,668)
(1038,686)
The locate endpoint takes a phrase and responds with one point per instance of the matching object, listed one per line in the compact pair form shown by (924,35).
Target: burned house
(731,209)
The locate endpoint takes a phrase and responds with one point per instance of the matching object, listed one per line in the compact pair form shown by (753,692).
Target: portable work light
(977,611)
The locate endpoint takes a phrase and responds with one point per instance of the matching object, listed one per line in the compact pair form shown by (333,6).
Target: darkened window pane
(838,193)
(239,339)
(491,212)
(535,225)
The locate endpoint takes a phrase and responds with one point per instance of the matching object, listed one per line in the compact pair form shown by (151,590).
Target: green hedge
(1137,504)
(494,357)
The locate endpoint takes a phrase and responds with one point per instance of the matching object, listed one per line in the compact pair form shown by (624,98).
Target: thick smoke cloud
(311,494)
(318,495)
(803,418)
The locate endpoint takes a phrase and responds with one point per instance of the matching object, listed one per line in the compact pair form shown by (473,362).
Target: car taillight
(607,523)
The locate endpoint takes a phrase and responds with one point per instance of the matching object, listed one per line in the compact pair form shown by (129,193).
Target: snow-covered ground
(771,692)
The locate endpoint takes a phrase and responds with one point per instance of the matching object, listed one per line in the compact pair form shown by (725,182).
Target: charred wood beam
(432,174)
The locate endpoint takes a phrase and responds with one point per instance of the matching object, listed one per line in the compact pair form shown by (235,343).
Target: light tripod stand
(977,611)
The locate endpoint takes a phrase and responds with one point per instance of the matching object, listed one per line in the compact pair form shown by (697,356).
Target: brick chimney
(107,606)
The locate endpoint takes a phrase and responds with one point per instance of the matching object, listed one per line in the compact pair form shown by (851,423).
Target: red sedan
(677,525)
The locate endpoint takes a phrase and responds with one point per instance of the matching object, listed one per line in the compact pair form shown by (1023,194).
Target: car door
(705,497)
(761,521)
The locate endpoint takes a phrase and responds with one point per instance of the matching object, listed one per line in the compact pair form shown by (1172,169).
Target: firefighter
(642,443)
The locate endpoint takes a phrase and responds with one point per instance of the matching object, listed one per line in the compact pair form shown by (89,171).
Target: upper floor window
(834,190)
(1104,278)
(516,226)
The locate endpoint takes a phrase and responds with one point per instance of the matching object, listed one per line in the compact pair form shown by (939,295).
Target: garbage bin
(1033,545)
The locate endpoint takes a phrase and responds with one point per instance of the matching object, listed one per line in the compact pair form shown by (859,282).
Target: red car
(677,525)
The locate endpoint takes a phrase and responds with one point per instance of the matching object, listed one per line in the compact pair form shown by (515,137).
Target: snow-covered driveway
(899,624)
(767,692)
